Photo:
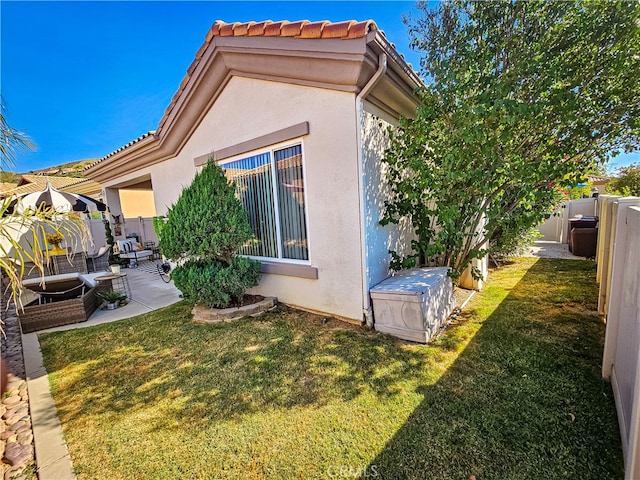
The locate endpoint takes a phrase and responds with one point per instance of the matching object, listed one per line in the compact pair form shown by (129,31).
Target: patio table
(118,282)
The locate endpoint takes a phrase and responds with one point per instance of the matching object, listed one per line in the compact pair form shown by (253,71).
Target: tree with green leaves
(524,98)
(203,232)
(11,140)
(627,181)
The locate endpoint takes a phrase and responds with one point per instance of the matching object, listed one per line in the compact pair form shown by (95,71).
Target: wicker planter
(38,317)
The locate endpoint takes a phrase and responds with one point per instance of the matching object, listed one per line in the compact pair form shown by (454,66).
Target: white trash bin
(414,303)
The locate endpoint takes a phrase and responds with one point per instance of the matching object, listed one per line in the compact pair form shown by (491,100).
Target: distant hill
(70,169)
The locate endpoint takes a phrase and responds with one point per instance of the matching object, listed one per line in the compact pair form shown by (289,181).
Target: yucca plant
(26,238)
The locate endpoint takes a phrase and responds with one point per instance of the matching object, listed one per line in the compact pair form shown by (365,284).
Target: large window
(271,188)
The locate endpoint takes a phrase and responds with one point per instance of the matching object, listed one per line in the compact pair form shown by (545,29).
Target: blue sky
(84,78)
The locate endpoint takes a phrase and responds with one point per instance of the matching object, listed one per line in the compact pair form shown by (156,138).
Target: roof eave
(337,64)
(133,156)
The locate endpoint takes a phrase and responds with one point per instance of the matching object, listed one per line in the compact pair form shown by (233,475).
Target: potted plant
(112,298)
(55,239)
(115,262)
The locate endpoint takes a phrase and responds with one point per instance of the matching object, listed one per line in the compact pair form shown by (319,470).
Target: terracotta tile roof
(597,179)
(6,186)
(300,29)
(141,137)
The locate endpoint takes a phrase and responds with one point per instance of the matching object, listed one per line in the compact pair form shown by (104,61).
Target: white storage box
(413,303)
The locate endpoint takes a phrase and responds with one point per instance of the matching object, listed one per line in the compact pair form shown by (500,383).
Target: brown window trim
(272,138)
(289,269)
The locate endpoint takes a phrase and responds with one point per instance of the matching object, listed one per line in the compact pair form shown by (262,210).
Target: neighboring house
(296,113)
(34,183)
(5,187)
(598,183)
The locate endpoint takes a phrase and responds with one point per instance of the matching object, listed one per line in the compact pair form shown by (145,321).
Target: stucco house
(296,113)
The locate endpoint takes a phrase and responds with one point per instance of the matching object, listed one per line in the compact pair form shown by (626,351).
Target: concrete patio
(551,249)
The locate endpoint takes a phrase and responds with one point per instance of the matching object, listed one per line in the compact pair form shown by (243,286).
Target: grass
(512,390)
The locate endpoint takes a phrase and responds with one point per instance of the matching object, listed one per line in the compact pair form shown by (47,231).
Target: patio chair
(74,264)
(97,262)
(62,300)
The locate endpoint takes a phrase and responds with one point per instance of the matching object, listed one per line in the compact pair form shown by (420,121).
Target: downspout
(382,69)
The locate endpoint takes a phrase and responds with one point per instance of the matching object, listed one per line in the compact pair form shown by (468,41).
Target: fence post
(621,356)
(605,248)
(619,264)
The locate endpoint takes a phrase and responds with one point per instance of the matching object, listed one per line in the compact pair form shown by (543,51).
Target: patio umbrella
(60,201)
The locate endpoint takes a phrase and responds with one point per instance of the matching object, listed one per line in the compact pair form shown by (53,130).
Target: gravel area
(16,435)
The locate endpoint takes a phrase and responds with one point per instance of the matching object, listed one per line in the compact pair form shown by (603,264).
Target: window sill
(289,269)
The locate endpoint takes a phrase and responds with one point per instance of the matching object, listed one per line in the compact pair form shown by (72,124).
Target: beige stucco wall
(137,203)
(376,189)
(249,108)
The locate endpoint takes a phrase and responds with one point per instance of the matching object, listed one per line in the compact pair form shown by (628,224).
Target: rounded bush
(211,282)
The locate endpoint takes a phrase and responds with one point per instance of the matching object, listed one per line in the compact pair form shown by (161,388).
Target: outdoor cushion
(89,278)
(102,251)
(129,248)
(51,282)
(59,287)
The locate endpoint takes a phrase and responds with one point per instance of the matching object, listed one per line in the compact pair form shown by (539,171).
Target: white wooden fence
(142,227)
(556,227)
(619,277)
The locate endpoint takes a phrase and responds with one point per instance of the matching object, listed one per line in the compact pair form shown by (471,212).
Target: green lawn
(511,390)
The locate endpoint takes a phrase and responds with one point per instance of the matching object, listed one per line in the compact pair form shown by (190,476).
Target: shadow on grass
(284,359)
(525,399)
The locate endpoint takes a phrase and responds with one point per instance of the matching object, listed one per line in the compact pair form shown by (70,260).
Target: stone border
(202,314)
(16,429)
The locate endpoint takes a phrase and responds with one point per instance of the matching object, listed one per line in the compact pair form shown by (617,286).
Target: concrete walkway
(548,249)
(149,292)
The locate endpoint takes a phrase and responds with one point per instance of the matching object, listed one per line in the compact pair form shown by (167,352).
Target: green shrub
(203,231)
(158,225)
(213,283)
(207,221)
(112,296)
(516,242)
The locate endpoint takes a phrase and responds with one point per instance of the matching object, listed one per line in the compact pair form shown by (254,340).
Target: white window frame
(271,149)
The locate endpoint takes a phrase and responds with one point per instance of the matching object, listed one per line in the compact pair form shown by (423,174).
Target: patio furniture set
(71,288)
(62,300)
(70,292)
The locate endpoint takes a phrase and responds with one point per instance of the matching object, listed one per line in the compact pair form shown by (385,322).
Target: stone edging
(16,431)
(202,314)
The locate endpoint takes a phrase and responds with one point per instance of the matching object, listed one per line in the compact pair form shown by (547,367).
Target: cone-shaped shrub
(204,229)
